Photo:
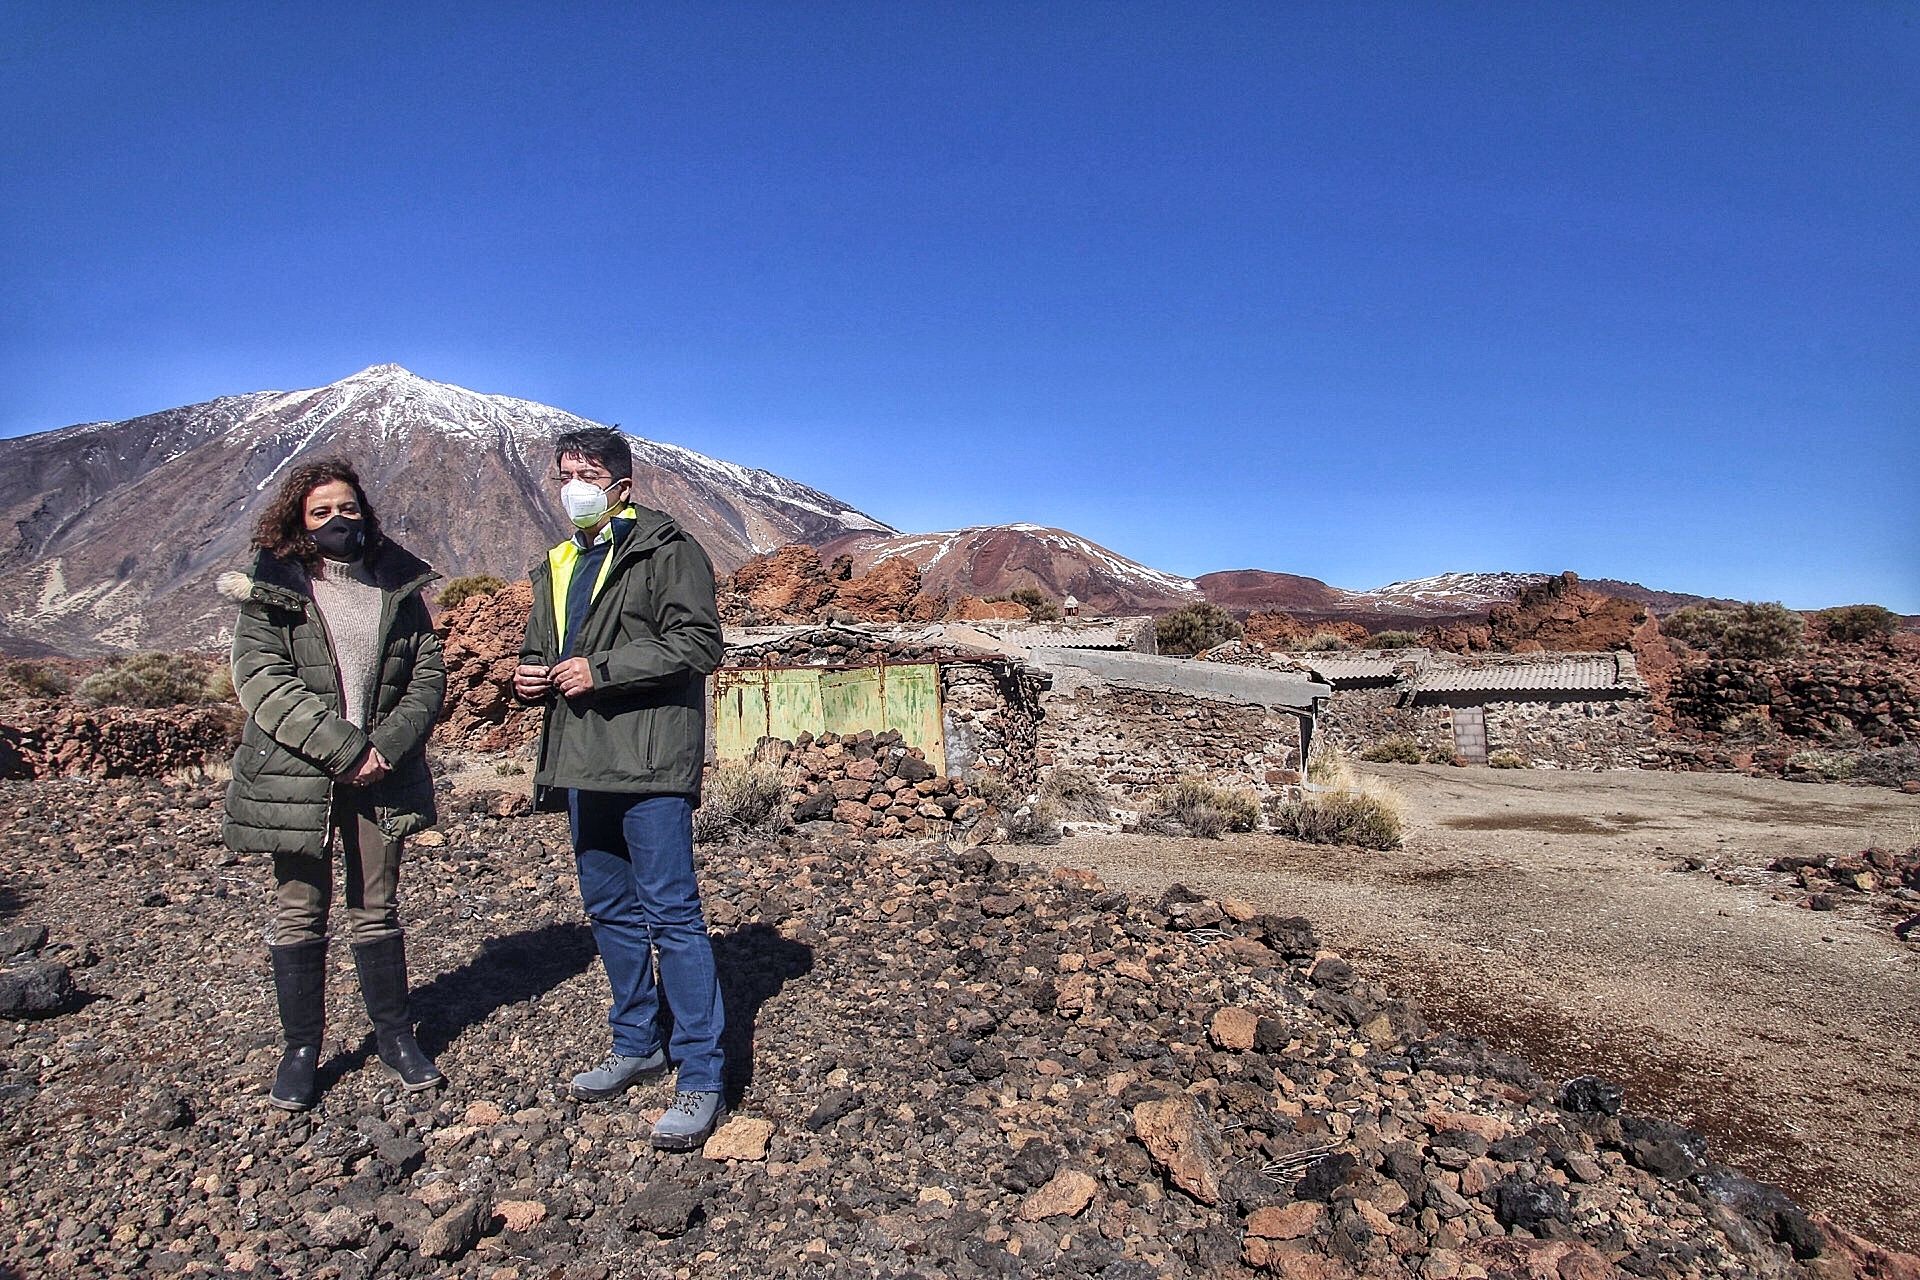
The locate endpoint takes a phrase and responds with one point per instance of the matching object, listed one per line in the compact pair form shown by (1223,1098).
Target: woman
(341,675)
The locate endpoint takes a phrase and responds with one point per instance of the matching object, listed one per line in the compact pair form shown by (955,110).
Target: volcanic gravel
(942,1064)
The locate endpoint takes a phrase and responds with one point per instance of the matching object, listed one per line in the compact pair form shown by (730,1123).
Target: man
(623,630)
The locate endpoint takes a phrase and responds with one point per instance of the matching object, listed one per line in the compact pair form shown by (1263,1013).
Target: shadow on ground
(754,963)
(508,970)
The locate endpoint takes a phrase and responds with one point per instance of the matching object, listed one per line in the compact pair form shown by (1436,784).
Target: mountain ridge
(118,527)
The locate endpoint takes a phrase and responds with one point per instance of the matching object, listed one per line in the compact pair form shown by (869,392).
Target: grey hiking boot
(618,1074)
(688,1122)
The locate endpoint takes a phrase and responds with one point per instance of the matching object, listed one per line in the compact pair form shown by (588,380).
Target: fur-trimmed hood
(277,580)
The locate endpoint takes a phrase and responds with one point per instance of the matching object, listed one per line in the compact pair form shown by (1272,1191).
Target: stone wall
(837,647)
(41,739)
(992,717)
(1589,735)
(1136,741)
(1582,734)
(1813,699)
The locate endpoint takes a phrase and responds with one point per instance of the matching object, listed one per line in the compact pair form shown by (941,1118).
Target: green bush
(467,587)
(1207,810)
(1195,629)
(38,680)
(1393,639)
(1039,608)
(1740,631)
(1853,623)
(1077,794)
(1325,642)
(1393,751)
(1506,758)
(741,799)
(1369,818)
(157,680)
(1442,755)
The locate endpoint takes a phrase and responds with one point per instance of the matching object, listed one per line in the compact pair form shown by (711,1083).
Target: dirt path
(1545,912)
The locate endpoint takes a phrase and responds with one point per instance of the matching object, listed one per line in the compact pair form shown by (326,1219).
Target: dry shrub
(38,680)
(1035,822)
(1740,631)
(1195,629)
(157,680)
(1393,751)
(1368,816)
(1078,795)
(1325,642)
(1824,766)
(1393,640)
(466,587)
(1854,623)
(1206,810)
(1330,767)
(1506,758)
(1889,766)
(994,788)
(741,799)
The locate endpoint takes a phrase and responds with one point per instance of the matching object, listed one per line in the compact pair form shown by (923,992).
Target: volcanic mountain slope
(1414,602)
(991,560)
(114,531)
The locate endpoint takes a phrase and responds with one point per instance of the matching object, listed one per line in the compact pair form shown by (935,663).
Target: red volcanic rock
(483,635)
(887,594)
(787,585)
(1279,631)
(1558,615)
(66,740)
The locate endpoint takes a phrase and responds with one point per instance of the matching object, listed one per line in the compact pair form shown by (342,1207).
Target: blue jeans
(635,857)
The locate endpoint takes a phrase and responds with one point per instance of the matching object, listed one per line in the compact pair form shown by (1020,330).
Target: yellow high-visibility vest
(560,563)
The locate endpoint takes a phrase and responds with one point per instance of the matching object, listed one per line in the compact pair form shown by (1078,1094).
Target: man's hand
(573,677)
(532,682)
(368,769)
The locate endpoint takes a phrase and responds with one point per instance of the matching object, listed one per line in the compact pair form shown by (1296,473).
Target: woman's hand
(532,682)
(368,769)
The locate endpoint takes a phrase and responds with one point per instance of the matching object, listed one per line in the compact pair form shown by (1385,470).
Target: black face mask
(340,538)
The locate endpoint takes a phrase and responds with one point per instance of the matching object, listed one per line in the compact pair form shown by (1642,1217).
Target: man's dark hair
(605,445)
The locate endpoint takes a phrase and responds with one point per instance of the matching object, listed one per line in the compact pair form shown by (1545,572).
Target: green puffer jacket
(296,741)
(651,636)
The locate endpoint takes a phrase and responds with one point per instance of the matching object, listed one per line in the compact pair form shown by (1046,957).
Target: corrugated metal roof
(1584,672)
(1374,664)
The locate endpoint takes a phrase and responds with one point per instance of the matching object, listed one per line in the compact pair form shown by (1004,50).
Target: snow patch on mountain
(1462,589)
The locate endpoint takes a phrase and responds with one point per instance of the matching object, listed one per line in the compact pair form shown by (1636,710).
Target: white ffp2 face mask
(585,501)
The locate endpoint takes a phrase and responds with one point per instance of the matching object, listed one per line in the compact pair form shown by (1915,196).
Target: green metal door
(750,704)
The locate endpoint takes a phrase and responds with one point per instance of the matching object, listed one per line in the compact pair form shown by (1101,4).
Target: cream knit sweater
(350,605)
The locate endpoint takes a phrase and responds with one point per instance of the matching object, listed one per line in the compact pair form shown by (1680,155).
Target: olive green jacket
(651,636)
(296,742)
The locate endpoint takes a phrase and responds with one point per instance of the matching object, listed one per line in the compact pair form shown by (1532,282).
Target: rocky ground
(944,1064)
(1628,923)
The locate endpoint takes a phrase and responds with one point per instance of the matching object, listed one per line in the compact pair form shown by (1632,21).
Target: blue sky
(1356,291)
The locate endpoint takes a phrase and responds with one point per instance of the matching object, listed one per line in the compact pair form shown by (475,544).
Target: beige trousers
(303,884)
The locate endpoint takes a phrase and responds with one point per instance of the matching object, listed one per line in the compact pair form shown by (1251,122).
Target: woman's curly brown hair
(282,527)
